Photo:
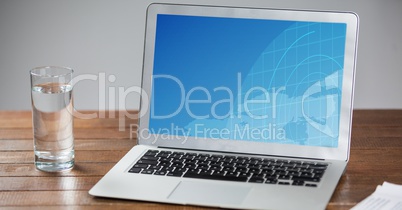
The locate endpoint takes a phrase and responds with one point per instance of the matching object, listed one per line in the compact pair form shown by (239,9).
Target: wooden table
(376,156)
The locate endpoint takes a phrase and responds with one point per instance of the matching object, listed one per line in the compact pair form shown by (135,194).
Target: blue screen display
(271,81)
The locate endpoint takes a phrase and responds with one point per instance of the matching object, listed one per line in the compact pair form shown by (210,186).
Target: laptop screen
(239,79)
(271,81)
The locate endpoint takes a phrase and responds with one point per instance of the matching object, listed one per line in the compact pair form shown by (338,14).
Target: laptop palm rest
(212,193)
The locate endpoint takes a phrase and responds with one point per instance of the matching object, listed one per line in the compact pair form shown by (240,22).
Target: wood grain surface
(376,156)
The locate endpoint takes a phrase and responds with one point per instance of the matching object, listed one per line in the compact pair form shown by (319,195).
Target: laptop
(243,108)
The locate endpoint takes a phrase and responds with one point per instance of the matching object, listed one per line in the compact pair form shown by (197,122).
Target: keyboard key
(301,166)
(271,176)
(246,174)
(160,173)
(187,157)
(163,155)
(138,165)
(321,164)
(319,167)
(147,171)
(268,160)
(280,169)
(320,175)
(149,162)
(229,169)
(243,176)
(181,170)
(298,183)
(306,179)
(190,165)
(289,165)
(151,153)
(293,170)
(177,165)
(175,156)
(284,183)
(256,180)
(177,174)
(308,163)
(219,173)
(260,175)
(135,170)
(149,158)
(168,168)
(205,172)
(155,167)
(165,164)
(271,181)
(203,167)
(254,170)
(284,177)
(276,164)
(282,161)
(226,160)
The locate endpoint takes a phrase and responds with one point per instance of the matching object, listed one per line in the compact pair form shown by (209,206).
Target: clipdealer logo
(238,109)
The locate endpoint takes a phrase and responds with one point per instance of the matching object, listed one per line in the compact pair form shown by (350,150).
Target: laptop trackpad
(190,192)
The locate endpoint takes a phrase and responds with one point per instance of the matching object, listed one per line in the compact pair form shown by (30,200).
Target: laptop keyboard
(230,168)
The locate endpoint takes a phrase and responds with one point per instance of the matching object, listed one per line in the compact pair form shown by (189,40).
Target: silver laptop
(241,108)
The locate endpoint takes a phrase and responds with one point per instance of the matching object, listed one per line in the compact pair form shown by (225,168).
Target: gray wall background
(105,39)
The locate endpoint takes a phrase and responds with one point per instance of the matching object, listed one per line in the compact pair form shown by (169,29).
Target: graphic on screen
(271,81)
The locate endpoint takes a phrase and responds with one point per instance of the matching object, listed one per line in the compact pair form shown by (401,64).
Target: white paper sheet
(387,196)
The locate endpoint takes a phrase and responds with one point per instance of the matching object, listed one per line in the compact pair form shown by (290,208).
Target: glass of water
(52,116)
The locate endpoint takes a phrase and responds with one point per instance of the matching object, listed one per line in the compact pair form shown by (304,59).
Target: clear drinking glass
(52,116)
